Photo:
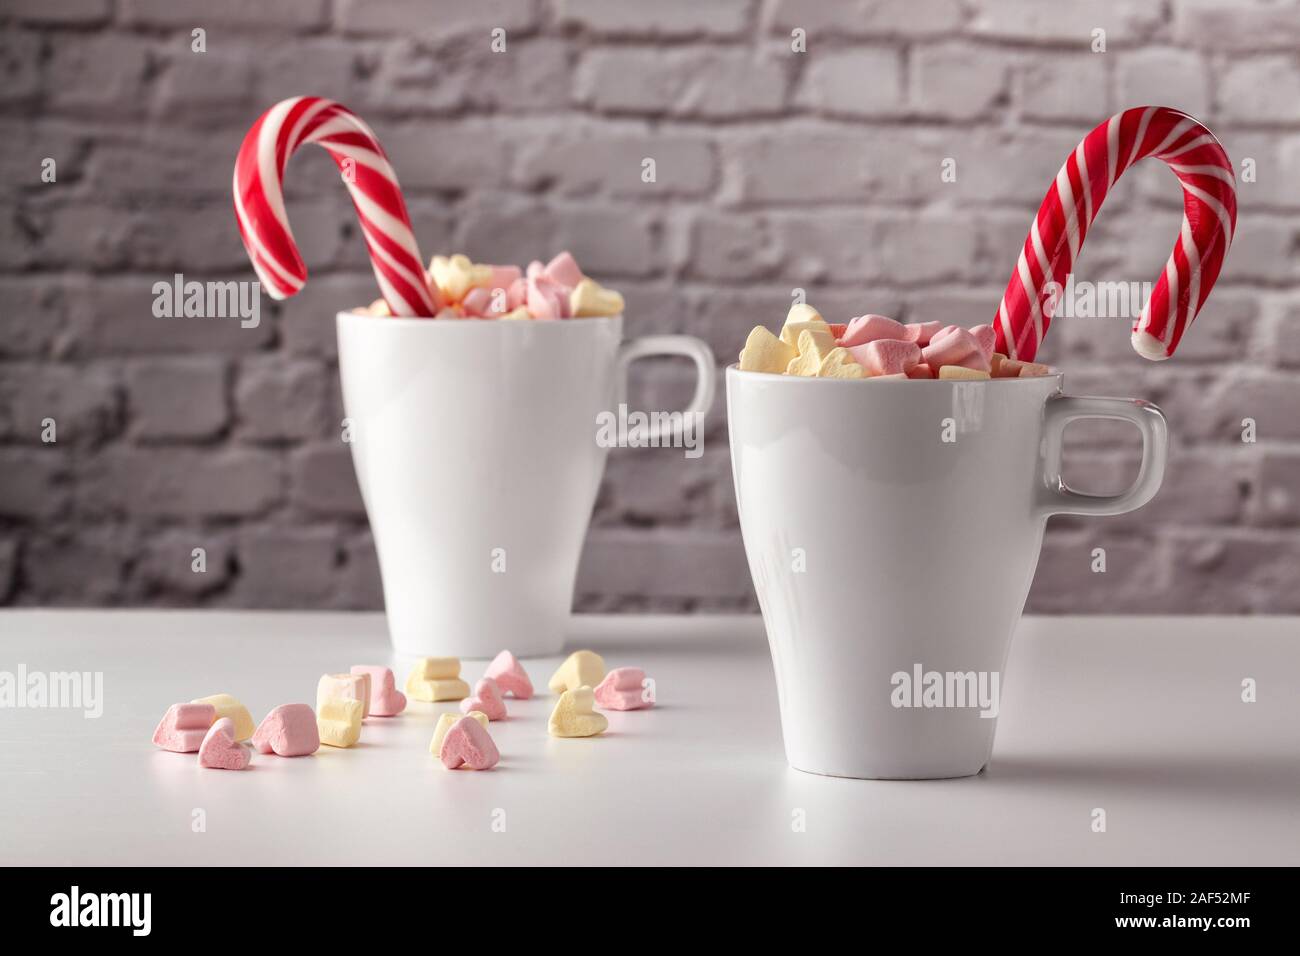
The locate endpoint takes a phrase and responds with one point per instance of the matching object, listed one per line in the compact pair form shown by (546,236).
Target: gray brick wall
(775,169)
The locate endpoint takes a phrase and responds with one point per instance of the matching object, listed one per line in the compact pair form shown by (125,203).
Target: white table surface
(1140,716)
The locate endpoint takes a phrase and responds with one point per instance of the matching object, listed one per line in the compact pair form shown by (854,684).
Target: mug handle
(1058,498)
(688,345)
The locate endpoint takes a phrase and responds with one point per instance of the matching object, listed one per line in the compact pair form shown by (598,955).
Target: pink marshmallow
(477,301)
(869,328)
(535,268)
(288,731)
(468,744)
(564,270)
(517,294)
(503,277)
(955,346)
(183,727)
(385,699)
(886,356)
(622,690)
(487,699)
(987,337)
(220,750)
(510,676)
(546,299)
(920,370)
(921,332)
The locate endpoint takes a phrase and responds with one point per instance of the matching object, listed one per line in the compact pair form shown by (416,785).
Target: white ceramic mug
(475,445)
(895,524)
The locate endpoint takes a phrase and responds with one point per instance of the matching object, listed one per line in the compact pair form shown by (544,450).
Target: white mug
(475,446)
(892,530)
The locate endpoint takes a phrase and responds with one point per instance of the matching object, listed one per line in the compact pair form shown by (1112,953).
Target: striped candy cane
(264,226)
(1071,204)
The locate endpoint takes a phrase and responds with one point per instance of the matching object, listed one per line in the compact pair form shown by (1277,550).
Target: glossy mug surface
(893,528)
(475,446)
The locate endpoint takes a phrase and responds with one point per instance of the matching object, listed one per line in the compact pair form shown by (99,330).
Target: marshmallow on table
(338,721)
(800,317)
(220,750)
(288,731)
(574,717)
(623,689)
(184,726)
(510,676)
(487,699)
(436,678)
(960,372)
(227,706)
(764,352)
(468,744)
(446,722)
(813,345)
(347,686)
(839,363)
(579,668)
(385,699)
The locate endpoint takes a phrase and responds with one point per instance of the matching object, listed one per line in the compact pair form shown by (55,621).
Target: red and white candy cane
(264,225)
(1071,204)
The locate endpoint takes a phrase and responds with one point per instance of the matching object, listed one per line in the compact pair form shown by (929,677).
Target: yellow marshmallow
(579,668)
(961,373)
(573,715)
(338,720)
(814,346)
(519,313)
(764,352)
(228,706)
(436,678)
(801,316)
(839,363)
(1034,370)
(589,298)
(456,275)
(445,723)
(345,686)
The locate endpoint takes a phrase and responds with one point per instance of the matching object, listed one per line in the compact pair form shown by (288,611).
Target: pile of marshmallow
(873,346)
(463,289)
(219,728)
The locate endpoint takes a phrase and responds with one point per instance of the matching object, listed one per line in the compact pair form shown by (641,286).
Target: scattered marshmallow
(487,699)
(228,706)
(579,668)
(385,699)
(624,689)
(468,744)
(338,721)
(436,678)
(574,717)
(346,686)
(288,731)
(183,727)
(445,723)
(510,676)
(220,750)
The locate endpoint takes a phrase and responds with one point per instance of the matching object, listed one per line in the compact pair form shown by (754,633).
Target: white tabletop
(1142,717)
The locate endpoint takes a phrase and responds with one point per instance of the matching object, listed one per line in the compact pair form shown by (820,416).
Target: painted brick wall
(775,170)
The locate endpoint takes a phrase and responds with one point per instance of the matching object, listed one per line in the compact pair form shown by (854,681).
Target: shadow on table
(1260,779)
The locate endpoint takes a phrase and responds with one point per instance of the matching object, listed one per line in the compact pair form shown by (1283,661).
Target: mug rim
(469,322)
(735,368)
